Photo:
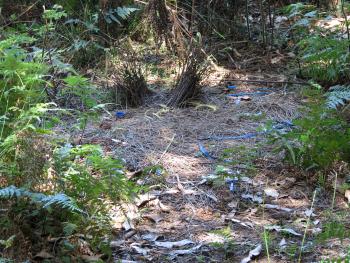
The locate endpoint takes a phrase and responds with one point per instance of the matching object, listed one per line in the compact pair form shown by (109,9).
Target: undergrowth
(48,188)
(318,140)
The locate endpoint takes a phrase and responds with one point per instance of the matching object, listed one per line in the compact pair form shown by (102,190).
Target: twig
(166,149)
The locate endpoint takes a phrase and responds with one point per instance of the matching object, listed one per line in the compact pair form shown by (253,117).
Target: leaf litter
(189,202)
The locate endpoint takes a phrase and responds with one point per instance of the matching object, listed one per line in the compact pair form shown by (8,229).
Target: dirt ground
(189,213)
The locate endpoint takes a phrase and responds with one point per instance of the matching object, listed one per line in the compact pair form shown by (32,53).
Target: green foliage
(322,52)
(227,244)
(97,176)
(63,189)
(240,157)
(337,96)
(22,83)
(337,260)
(325,58)
(46,201)
(319,139)
(333,229)
(118,14)
(297,9)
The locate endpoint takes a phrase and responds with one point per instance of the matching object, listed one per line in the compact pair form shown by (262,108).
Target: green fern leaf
(337,96)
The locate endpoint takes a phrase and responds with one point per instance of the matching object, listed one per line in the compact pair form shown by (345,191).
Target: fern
(61,200)
(45,201)
(337,96)
(120,13)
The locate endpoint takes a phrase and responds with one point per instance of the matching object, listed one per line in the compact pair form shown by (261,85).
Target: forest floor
(189,213)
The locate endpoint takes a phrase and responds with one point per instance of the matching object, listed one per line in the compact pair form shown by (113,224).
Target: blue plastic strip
(205,152)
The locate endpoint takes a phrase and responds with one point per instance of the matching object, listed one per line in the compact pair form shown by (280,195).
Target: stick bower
(194,69)
(131,87)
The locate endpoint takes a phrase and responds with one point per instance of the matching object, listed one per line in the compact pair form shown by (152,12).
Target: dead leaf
(91,258)
(236,53)
(150,237)
(212,197)
(231,215)
(277,207)
(185,251)
(275,60)
(171,191)
(129,234)
(254,198)
(163,207)
(233,204)
(154,217)
(140,250)
(316,231)
(43,255)
(128,225)
(116,244)
(347,195)
(280,229)
(252,254)
(271,192)
(282,244)
(169,244)
(309,213)
(245,224)
(145,198)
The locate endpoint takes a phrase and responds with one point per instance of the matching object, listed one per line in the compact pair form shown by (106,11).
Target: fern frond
(61,200)
(10,192)
(337,96)
(46,201)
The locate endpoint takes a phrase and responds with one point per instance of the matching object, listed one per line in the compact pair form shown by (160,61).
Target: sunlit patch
(331,22)
(208,238)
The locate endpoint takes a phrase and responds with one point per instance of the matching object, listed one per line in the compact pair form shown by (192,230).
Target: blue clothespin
(119,114)
(232,183)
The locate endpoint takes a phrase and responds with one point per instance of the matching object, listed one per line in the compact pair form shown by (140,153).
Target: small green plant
(240,158)
(227,245)
(346,259)
(318,140)
(333,229)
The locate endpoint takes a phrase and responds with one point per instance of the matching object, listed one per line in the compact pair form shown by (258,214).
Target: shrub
(46,189)
(318,139)
(325,58)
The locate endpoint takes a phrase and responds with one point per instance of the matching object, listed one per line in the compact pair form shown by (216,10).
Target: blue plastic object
(204,151)
(232,183)
(120,114)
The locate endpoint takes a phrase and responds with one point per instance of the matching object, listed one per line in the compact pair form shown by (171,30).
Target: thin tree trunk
(346,22)
(247,19)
